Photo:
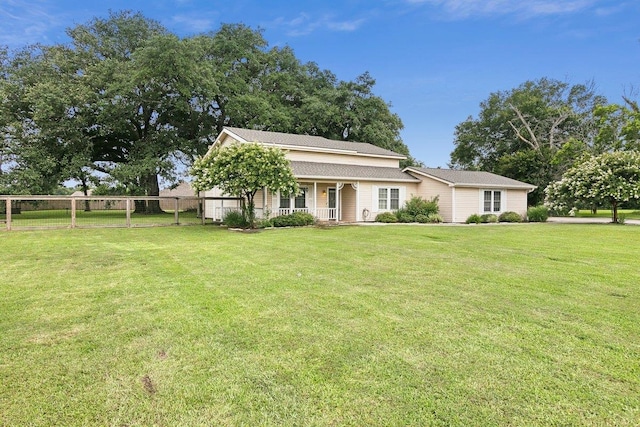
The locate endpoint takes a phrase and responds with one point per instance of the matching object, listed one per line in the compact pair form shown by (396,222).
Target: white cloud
(304,24)
(195,23)
(460,9)
(27,22)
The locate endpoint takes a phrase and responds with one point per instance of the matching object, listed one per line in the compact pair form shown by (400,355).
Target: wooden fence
(25,212)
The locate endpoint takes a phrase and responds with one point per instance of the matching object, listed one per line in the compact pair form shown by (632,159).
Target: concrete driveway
(574,220)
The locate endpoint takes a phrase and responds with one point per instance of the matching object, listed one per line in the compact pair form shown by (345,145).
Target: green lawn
(529,324)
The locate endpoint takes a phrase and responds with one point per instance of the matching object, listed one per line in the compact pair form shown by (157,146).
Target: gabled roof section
(333,171)
(462,178)
(310,143)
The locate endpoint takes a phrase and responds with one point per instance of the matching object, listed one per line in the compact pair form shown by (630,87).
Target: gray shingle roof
(339,171)
(464,178)
(309,141)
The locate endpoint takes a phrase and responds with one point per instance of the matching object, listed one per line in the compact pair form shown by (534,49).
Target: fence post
(175,212)
(8,204)
(128,208)
(73,213)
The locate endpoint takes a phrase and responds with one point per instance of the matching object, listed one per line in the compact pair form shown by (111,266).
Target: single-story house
(355,181)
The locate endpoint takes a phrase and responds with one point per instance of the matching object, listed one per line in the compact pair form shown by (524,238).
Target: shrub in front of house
(296,219)
(474,219)
(419,206)
(488,218)
(417,209)
(435,218)
(387,217)
(510,216)
(263,223)
(538,214)
(404,216)
(422,219)
(234,219)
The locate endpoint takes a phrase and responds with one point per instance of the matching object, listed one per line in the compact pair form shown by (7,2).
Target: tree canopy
(519,133)
(128,102)
(242,170)
(609,178)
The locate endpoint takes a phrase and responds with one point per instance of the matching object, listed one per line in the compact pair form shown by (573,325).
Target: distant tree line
(125,103)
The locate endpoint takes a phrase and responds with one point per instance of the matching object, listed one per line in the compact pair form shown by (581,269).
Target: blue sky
(433,60)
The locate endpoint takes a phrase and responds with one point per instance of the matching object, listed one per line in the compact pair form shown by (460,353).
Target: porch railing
(327,214)
(323,214)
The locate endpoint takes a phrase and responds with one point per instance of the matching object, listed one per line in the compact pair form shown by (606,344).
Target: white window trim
(375,200)
(292,199)
(503,200)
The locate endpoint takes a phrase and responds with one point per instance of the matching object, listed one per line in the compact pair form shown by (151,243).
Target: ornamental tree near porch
(241,170)
(610,177)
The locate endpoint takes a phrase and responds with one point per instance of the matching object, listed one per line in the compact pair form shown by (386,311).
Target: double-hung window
(388,198)
(492,201)
(285,202)
(383,198)
(300,200)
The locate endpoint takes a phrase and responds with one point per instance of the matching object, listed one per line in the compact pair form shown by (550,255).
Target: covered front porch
(327,201)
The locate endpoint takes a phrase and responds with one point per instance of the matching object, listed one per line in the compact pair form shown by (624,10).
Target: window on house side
(492,201)
(394,198)
(388,198)
(487,201)
(382,198)
(301,199)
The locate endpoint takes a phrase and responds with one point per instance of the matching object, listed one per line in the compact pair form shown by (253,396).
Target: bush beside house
(538,214)
(416,209)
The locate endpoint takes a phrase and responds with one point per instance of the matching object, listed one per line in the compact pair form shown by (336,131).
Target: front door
(331,200)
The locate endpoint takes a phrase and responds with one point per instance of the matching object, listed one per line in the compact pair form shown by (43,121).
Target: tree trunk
(614,210)
(250,211)
(152,188)
(85,191)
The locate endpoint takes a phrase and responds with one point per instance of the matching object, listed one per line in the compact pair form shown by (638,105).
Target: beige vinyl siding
(348,203)
(430,188)
(517,201)
(467,203)
(322,201)
(369,195)
(343,159)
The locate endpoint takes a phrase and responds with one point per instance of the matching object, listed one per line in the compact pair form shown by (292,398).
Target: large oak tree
(129,102)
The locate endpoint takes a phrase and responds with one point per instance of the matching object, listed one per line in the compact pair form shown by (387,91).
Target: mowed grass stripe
(401,325)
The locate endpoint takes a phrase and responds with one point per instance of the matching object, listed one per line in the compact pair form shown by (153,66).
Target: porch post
(357,188)
(339,186)
(265,208)
(315,198)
